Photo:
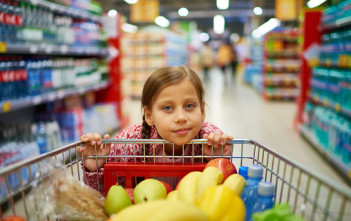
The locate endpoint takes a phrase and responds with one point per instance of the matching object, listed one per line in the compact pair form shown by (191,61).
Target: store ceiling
(202,12)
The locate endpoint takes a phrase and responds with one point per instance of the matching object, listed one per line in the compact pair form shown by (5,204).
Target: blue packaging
(249,194)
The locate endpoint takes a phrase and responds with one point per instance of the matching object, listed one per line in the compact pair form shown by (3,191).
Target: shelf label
(287,81)
(64,49)
(60,94)
(36,100)
(33,49)
(51,96)
(325,102)
(2,47)
(315,97)
(337,107)
(6,107)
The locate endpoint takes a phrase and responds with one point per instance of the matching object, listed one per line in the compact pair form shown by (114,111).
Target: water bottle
(265,198)
(249,195)
(41,137)
(243,170)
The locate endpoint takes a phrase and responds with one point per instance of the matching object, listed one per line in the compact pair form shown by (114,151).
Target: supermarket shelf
(339,23)
(281,81)
(53,50)
(48,97)
(331,105)
(342,167)
(77,13)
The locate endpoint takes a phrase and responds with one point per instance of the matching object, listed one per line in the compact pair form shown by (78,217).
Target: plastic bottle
(265,198)
(249,195)
(243,170)
(41,137)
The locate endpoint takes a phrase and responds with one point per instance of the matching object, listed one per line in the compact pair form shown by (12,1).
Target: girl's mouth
(181,131)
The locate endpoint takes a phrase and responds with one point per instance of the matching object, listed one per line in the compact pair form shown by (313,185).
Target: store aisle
(240,111)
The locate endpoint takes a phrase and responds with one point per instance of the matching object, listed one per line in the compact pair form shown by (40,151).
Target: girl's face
(177,113)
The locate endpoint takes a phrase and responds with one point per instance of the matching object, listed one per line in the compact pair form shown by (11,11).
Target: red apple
(14,218)
(224,165)
(130,193)
(169,188)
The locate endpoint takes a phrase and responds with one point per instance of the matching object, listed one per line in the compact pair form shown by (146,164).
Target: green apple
(117,198)
(149,190)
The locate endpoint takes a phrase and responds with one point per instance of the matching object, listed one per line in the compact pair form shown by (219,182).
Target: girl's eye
(167,108)
(189,106)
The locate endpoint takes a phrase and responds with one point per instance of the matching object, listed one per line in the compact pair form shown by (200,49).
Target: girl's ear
(148,117)
(203,112)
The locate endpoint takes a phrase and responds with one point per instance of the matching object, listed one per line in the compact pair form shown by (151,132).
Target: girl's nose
(180,116)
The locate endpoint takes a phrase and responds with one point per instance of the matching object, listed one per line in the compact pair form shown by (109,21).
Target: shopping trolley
(310,195)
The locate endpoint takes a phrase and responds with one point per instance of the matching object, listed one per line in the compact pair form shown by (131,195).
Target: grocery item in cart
(265,199)
(249,194)
(67,198)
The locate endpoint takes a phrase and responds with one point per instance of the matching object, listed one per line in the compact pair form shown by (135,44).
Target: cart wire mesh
(311,195)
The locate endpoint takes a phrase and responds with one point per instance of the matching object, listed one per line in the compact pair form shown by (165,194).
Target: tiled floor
(240,111)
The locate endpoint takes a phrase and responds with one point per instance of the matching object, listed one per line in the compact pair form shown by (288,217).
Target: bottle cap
(255,171)
(266,189)
(243,170)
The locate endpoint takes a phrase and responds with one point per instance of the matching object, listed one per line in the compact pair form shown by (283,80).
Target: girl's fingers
(210,139)
(223,139)
(216,140)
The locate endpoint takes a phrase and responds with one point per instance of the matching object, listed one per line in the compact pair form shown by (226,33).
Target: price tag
(287,81)
(33,49)
(337,107)
(48,49)
(81,90)
(315,97)
(6,107)
(51,96)
(64,49)
(36,100)
(2,47)
(325,102)
(60,94)
(268,81)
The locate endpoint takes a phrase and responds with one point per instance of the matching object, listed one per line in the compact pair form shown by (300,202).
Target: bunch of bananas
(217,199)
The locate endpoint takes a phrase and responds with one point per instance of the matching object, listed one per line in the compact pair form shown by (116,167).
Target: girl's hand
(88,149)
(216,141)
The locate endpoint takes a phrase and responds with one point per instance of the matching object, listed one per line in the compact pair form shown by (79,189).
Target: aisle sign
(144,11)
(287,10)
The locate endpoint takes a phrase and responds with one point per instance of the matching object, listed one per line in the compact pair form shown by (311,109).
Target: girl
(173,109)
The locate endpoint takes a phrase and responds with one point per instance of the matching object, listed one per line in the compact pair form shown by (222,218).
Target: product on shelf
(147,50)
(326,121)
(281,65)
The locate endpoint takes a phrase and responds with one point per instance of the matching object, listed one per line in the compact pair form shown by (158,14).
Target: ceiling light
(257,11)
(218,24)
(112,13)
(222,4)
(162,21)
(314,3)
(183,12)
(129,28)
(204,36)
(266,27)
(131,1)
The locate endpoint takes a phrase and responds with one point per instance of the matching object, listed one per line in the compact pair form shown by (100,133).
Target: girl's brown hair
(162,78)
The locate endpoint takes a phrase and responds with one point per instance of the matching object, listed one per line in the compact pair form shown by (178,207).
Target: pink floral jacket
(96,179)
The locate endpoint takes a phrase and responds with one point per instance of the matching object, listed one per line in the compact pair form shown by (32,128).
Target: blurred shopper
(234,58)
(224,57)
(206,59)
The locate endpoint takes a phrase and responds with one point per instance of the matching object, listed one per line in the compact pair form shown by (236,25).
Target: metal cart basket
(309,194)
